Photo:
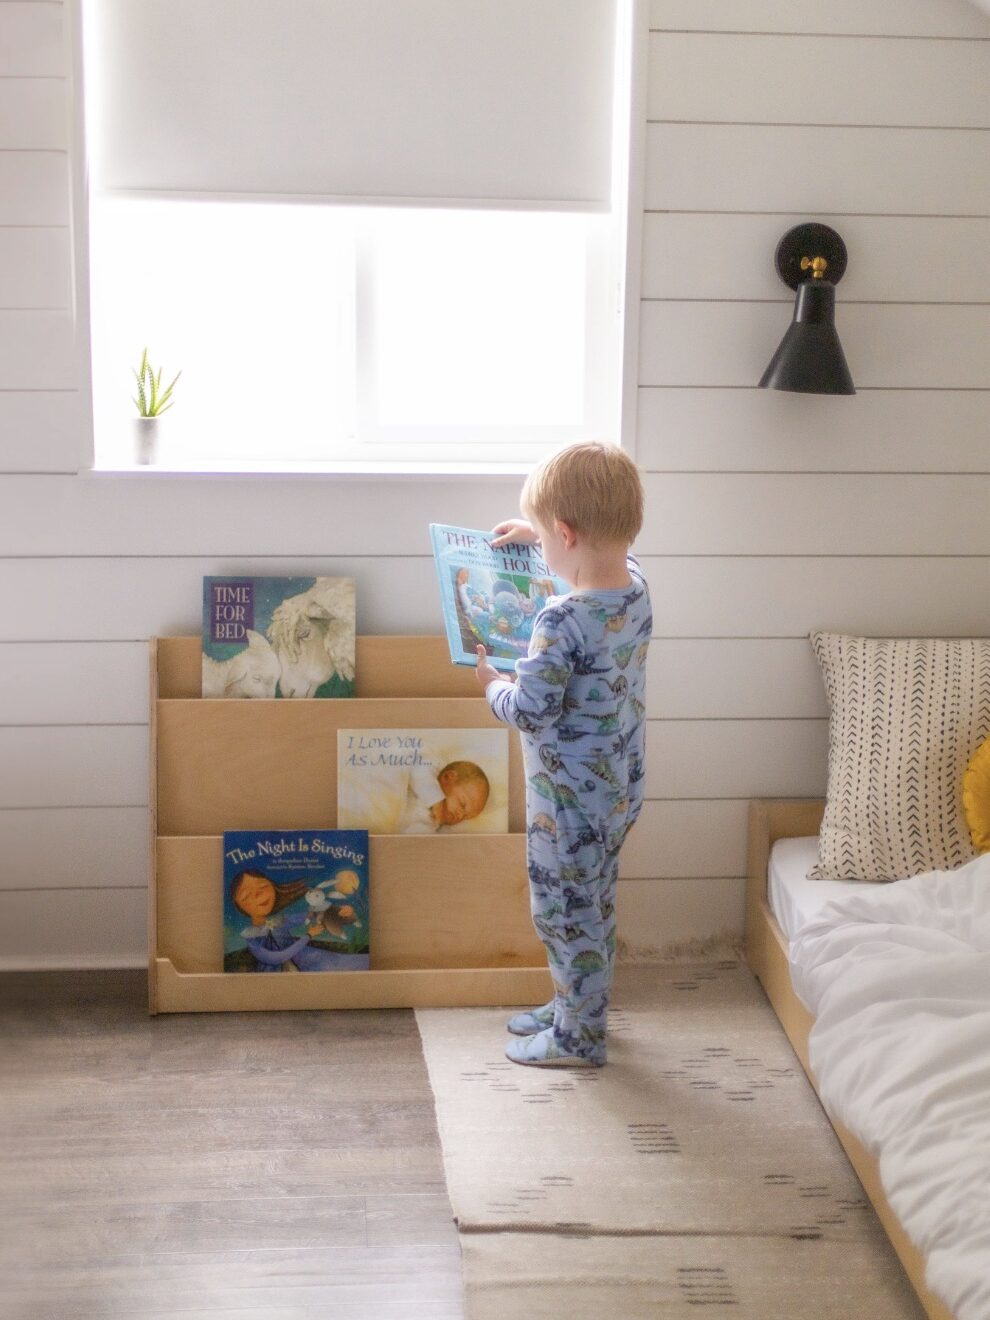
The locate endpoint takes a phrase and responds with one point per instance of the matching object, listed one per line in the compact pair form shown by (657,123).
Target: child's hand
(486,673)
(514,529)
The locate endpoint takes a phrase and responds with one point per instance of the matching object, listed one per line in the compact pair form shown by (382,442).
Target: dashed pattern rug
(696,1171)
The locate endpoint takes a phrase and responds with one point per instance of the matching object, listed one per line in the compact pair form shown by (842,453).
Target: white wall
(768,514)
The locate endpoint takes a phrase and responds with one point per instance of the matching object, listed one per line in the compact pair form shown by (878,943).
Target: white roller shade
(467,101)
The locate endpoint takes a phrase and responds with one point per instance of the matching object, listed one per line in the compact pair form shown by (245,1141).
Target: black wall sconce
(810,258)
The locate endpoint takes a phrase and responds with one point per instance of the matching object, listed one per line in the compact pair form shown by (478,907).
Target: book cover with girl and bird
(489,595)
(295,901)
(278,637)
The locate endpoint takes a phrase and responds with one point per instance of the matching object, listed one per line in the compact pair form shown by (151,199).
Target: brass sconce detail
(817,266)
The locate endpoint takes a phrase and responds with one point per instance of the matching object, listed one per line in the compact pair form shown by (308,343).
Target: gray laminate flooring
(253,1166)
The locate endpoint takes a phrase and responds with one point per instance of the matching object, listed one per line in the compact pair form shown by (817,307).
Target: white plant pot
(147,432)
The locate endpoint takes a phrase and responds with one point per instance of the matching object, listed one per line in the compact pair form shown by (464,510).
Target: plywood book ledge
(450,919)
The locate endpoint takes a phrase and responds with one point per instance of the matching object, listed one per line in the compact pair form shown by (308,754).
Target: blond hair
(594,488)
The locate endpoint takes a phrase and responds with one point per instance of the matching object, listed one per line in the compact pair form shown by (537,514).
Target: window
(360,242)
(314,333)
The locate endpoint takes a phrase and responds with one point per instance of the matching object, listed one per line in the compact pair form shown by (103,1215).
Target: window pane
(254,303)
(479,318)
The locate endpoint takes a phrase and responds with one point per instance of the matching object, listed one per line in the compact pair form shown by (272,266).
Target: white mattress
(793,898)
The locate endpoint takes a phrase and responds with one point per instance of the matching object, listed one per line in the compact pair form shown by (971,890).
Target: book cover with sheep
(278,637)
(295,901)
(489,595)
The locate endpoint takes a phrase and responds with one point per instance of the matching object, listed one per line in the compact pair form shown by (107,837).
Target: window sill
(357,469)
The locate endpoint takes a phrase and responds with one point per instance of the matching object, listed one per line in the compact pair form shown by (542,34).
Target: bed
(780,903)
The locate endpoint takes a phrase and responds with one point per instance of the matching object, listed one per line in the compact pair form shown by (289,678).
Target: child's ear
(566,533)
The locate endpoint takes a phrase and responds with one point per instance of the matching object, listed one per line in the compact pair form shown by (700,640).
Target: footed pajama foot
(542,1051)
(531,1022)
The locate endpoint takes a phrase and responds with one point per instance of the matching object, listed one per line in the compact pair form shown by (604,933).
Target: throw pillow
(906,715)
(976,797)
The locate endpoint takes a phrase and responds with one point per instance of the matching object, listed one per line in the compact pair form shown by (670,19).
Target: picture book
(489,595)
(295,901)
(278,637)
(422,781)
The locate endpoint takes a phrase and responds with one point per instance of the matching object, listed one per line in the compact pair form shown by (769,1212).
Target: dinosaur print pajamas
(579,705)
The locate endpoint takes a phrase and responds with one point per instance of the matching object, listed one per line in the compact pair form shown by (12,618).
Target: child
(579,704)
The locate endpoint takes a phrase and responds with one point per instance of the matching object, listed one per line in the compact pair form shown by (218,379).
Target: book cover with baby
(423,781)
(278,637)
(295,901)
(489,595)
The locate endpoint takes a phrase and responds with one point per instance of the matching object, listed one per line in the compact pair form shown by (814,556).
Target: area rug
(697,1170)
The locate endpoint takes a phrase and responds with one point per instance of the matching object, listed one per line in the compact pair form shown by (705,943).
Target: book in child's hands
(295,901)
(278,637)
(489,595)
(422,781)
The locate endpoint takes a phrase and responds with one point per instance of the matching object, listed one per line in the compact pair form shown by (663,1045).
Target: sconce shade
(809,359)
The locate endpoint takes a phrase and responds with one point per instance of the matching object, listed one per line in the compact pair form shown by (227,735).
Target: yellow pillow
(976,797)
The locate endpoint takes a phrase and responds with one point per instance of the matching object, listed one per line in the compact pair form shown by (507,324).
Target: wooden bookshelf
(450,919)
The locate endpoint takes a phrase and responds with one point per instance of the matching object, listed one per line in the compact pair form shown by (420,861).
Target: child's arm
(486,671)
(536,699)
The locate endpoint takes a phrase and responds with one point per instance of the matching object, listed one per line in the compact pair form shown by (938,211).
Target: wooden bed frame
(767,955)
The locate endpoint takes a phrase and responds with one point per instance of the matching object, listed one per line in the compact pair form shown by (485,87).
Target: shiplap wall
(768,514)
(773,514)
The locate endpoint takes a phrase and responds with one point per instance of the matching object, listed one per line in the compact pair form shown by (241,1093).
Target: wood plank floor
(253,1166)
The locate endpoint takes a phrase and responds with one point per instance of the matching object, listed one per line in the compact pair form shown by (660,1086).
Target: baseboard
(75,962)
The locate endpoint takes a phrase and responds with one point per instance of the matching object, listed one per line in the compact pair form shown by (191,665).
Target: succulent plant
(151,399)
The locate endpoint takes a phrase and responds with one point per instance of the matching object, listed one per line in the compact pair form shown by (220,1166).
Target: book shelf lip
(206,992)
(413,840)
(355,978)
(388,639)
(254,703)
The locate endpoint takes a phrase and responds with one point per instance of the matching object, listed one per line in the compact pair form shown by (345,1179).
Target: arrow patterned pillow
(906,715)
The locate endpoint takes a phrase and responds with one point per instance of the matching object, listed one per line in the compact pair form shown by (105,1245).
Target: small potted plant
(151,402)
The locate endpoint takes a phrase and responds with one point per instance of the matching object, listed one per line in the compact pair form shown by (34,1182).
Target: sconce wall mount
(810,259)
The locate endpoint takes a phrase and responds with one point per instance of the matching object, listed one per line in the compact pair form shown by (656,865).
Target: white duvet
(898,979)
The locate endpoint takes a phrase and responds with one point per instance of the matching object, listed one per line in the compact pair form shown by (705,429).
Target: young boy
(579,704)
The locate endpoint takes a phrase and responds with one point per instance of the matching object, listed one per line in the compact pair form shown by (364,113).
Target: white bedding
(898,978)
(793,898)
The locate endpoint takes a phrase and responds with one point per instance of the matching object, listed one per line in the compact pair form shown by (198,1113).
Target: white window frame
(611,339)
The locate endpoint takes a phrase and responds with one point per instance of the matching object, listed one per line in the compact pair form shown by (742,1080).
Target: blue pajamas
(579,704)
